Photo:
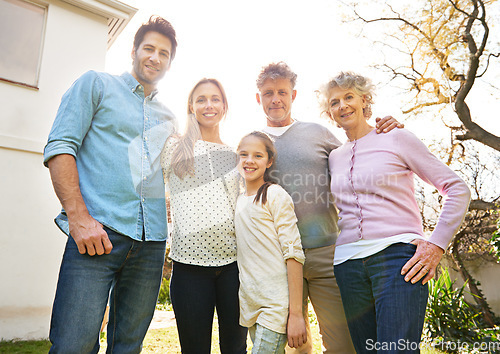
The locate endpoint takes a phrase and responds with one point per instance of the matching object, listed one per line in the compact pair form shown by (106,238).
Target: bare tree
(446,46)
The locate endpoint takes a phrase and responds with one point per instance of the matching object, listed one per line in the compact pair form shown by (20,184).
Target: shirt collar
(134,85)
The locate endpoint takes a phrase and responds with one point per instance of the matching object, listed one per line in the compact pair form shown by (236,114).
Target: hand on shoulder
(387,124)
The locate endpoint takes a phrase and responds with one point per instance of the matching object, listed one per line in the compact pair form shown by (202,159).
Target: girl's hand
(423,263)
(296,330)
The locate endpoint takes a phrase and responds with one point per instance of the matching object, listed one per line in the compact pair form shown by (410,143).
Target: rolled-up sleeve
(285,222)
(74,117)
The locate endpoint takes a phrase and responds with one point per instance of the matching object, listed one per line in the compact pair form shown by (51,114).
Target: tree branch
(479,204)
(488,63)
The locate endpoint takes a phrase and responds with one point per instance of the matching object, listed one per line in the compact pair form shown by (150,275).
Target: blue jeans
(195,292)
(384,313)
(129,277)
(266,341)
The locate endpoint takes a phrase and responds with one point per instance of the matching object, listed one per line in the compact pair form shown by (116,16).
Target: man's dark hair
(160,25)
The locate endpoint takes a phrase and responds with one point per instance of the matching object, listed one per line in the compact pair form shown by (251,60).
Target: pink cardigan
(372,185)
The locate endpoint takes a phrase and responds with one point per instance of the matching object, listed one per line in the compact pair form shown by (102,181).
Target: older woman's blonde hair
(347,80)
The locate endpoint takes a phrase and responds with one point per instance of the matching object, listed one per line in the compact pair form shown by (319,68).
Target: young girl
(269,253)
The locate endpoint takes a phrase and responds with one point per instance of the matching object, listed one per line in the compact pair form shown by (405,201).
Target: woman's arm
(456,200)
(296,326)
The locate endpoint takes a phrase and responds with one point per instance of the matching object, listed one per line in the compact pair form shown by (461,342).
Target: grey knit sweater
(301,168)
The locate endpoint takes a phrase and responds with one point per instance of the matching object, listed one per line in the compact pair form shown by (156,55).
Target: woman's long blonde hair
(183,156)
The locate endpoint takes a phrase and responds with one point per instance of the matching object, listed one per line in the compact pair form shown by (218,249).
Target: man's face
(151,59)
(276,97)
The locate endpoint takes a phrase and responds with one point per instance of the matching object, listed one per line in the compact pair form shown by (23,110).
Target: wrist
(78,215)
(295,312)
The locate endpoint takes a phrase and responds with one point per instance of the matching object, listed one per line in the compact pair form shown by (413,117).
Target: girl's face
(345,107)
(254,159)
(208,105)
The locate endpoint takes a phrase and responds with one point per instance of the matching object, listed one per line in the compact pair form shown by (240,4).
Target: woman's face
(208,105)
(345,107)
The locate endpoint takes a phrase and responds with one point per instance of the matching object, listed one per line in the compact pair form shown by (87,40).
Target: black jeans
(195,292)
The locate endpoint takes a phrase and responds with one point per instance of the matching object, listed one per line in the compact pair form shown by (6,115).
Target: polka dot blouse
(202,206)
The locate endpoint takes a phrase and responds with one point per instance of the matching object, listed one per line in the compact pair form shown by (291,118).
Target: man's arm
(296,327)
(88,234)
(387,124)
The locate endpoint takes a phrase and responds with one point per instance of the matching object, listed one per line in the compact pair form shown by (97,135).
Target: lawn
(163,340)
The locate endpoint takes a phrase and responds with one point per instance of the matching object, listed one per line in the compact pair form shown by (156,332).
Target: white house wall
(31,246)
(486,273)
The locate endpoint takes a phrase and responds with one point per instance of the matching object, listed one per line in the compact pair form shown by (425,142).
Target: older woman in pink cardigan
(382,260)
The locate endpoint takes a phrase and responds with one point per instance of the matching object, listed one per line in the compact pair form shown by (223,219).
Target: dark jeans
(195,292)
(129,277)
(384,313)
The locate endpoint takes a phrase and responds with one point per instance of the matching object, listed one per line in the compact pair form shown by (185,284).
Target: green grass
(163,340)
(166,340)
(25,347)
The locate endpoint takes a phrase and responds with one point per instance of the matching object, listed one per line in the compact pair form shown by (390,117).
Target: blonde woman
(203,183)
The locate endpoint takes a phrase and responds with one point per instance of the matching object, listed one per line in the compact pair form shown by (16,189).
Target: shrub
(164,294)
(450,319)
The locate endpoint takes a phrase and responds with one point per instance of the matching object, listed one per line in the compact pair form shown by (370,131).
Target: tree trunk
(471,282)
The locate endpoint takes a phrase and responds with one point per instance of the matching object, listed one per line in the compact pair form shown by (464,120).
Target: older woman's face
(345,107)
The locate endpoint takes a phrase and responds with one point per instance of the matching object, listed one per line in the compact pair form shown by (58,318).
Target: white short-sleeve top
(202,205)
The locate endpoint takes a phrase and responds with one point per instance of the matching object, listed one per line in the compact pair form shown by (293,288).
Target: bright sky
(231,40)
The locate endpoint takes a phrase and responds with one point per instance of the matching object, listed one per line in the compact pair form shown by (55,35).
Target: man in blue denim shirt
(103,154)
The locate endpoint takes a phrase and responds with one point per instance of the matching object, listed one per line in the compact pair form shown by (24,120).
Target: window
(22,26)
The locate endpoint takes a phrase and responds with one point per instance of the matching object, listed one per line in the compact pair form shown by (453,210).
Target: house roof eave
(118,14)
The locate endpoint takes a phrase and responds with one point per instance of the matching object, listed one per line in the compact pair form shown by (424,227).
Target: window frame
(35,85)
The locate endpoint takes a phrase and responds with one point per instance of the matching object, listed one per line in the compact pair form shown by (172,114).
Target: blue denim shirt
(116,136)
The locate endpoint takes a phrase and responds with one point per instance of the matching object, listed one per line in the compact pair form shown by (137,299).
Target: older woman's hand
(387,124)
(423,263)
